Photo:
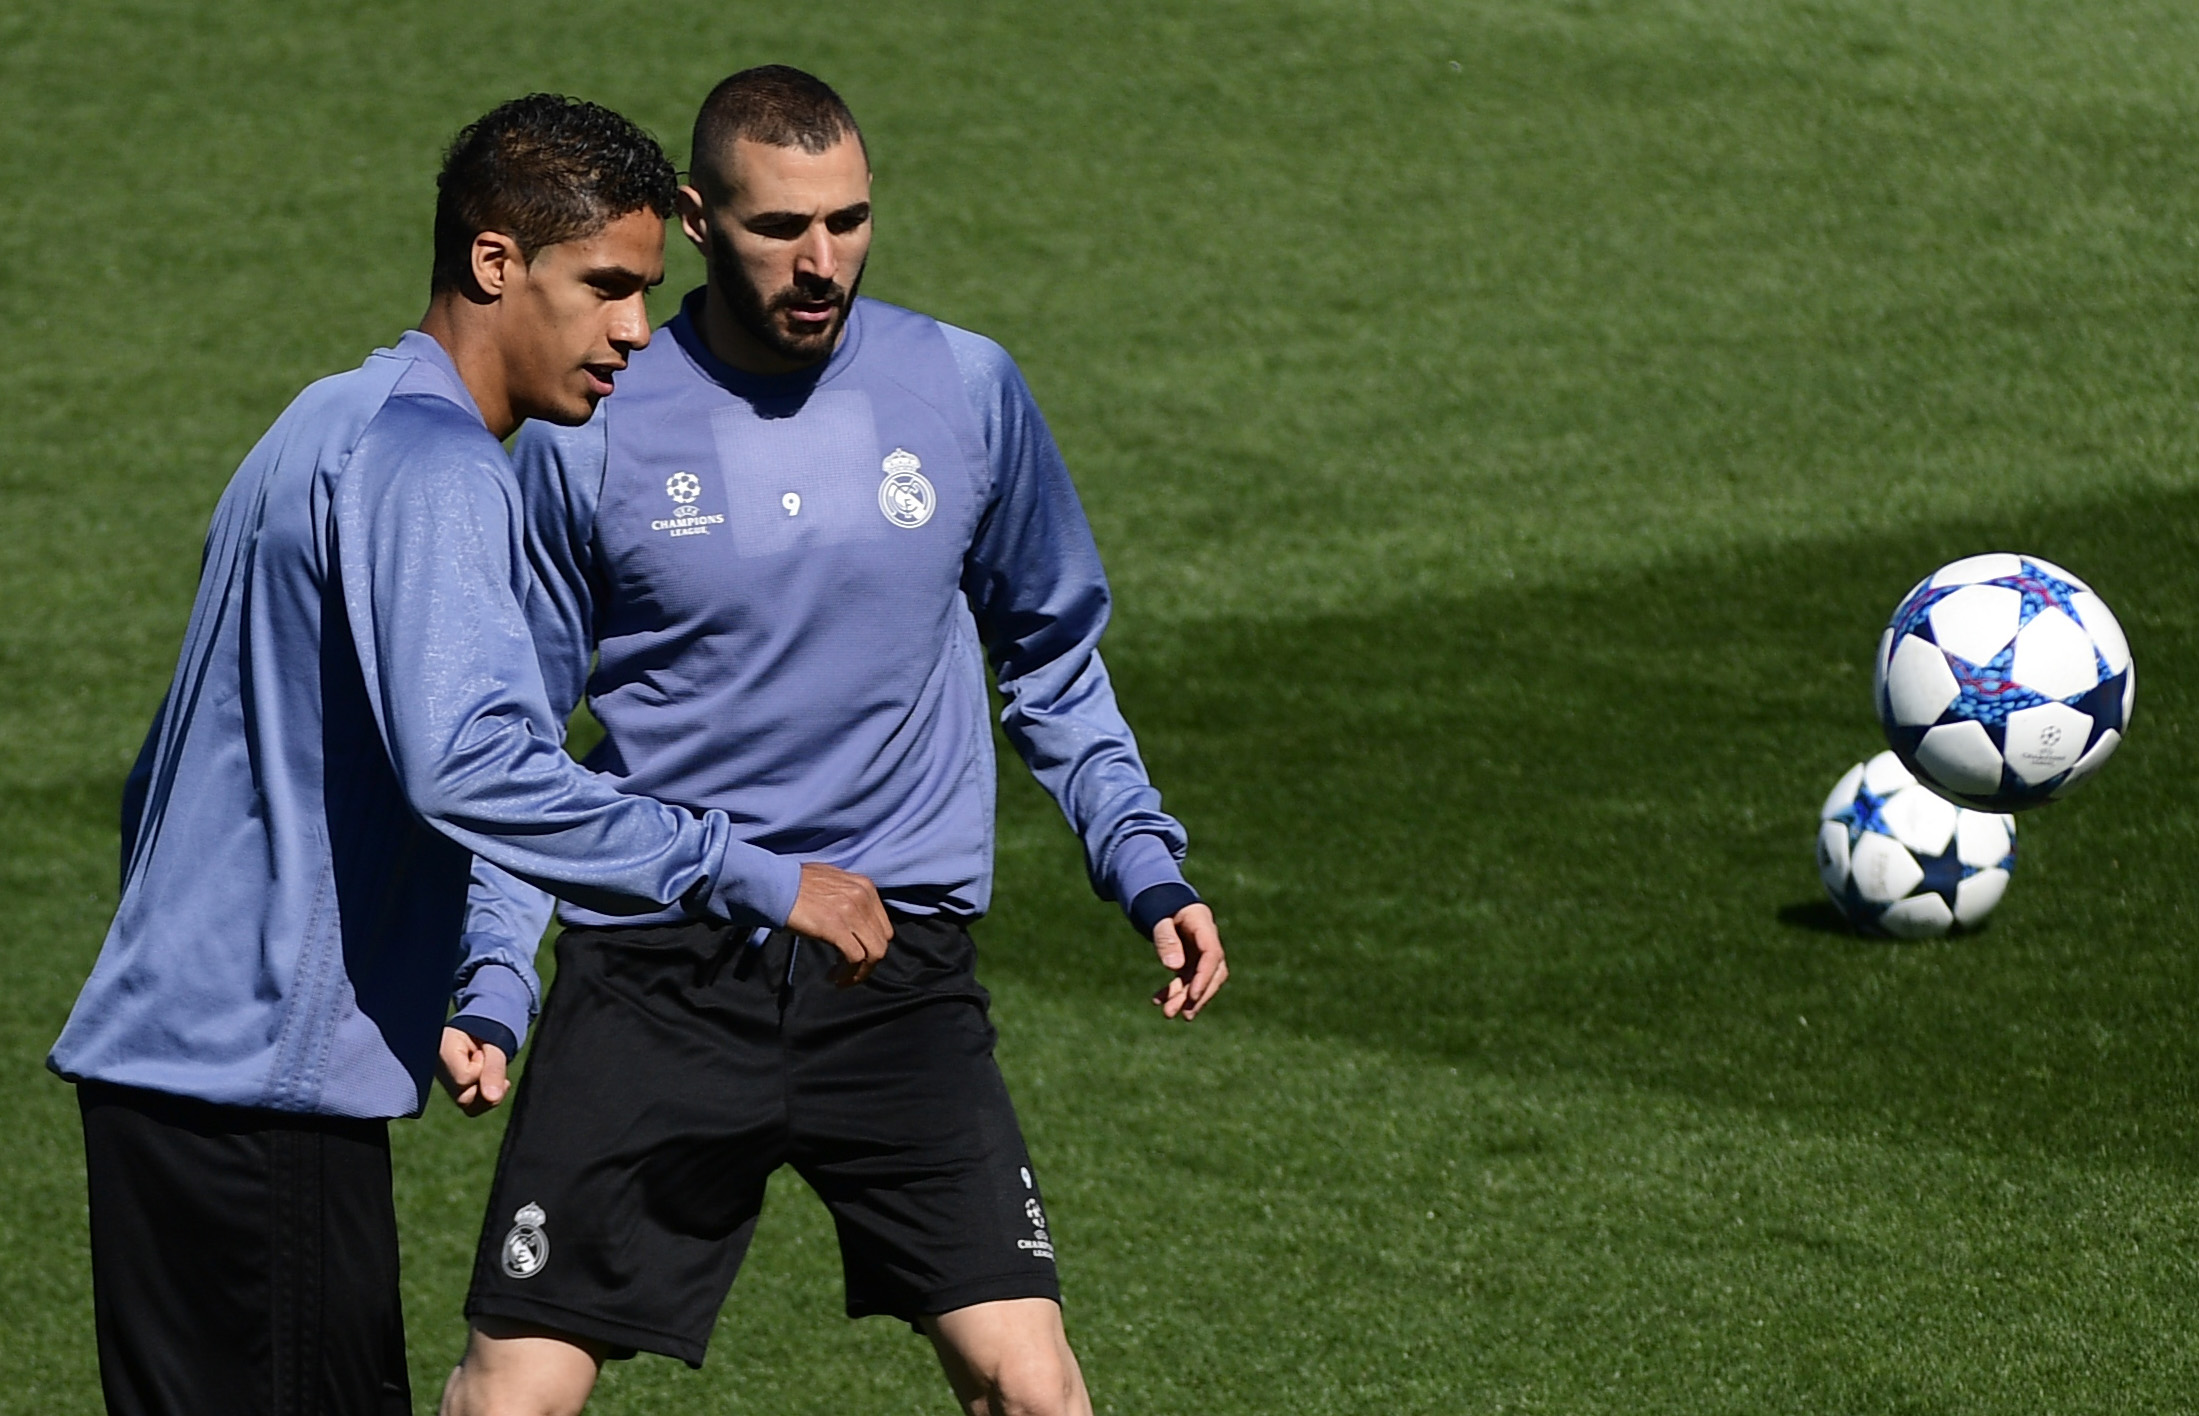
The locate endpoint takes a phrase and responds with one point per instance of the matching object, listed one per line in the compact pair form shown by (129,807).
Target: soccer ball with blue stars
(1899,859)
(2003,681)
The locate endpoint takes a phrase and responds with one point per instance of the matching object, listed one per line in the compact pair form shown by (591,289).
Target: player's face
(575,313)
(785,235)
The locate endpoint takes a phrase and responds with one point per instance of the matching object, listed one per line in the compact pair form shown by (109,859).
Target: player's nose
(630,323)
(815,256)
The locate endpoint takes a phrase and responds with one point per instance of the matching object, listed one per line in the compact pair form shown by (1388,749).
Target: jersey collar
(686,329)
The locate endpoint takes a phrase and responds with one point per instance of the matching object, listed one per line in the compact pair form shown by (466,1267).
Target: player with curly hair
(358,713)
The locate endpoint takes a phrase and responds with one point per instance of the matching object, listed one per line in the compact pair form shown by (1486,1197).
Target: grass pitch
(1507,424)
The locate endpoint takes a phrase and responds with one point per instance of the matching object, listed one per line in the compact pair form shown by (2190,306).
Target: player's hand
(472,1072)
(1190,946)
(841,908)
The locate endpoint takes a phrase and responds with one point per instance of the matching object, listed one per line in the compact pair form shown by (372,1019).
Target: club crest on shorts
(527,1248)
(905,496)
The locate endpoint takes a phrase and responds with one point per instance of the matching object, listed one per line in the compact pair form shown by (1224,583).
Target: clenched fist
(841,908)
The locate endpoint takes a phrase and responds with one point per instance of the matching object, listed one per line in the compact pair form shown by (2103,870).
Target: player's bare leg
(1010,1358)
(512,1370)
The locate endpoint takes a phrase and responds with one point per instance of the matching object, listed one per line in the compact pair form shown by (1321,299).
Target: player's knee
(1042,1383)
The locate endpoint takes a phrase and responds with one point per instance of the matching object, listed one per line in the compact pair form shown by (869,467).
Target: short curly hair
(542,169)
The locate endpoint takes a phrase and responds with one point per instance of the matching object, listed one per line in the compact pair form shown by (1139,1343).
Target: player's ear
(497,260)
(694,217)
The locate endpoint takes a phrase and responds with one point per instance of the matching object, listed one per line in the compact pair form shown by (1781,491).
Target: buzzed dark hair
(774,105)
(542,169)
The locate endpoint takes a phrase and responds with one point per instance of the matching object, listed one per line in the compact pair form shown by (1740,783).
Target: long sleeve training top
(358,712)
(790,587)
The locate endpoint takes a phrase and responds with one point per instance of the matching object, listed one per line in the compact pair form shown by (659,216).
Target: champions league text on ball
(2003,681)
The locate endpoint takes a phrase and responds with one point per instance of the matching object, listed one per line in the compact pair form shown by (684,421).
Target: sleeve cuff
(487,1031)
(1139,863)
(1158,903)
(754,886)
(498,997)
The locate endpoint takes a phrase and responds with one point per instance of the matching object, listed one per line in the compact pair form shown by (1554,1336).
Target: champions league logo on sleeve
(527,1248)
(905,496)
(685,488)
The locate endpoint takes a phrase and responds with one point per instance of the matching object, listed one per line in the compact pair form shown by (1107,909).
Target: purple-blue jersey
(792,585)
(358,713)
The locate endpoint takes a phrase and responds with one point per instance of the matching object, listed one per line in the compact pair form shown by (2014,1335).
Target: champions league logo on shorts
(905,496)
(527,1248)
(1040,1244)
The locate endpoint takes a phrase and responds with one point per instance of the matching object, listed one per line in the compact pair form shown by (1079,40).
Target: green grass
(1507,423)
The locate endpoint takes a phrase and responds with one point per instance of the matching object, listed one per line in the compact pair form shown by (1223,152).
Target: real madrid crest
(527,1248)
(905,496)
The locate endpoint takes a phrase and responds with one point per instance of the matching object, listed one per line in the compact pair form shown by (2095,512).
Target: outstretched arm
(1040,599)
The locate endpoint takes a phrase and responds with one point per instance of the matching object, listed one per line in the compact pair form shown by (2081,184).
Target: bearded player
(794,541)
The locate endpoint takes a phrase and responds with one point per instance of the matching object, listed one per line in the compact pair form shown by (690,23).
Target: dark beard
(754,313)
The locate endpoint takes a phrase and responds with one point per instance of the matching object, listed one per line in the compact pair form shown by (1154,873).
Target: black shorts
(243,1261)
(677,1066)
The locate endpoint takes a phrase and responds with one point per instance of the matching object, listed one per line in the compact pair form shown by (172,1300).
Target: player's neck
(468,333)
(734,345)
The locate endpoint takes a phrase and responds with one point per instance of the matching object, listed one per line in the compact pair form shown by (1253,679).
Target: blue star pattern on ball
(1898,859)
(2003,681)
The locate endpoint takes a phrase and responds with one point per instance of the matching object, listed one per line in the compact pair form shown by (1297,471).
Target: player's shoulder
(426,433)
(983,362)
(425,408)
(319,431)
(983,372)
(426,439)
(337,407)
(973,353)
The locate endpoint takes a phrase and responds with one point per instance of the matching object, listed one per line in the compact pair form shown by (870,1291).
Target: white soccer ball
(2003,682)
(1899,859)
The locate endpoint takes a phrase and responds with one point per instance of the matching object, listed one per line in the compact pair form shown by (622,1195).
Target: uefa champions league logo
(1040,1244)
(687,519)
(905,497)
(527,1248)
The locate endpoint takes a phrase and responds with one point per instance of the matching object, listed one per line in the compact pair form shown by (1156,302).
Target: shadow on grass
(1817,917)
(1565,829)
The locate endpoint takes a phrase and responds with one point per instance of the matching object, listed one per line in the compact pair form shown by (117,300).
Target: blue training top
(358,711)
(793,583)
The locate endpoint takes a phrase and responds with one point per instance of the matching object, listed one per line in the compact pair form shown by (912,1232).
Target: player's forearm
(1064,722)
(428,562)
(527,808)
(1147,881)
